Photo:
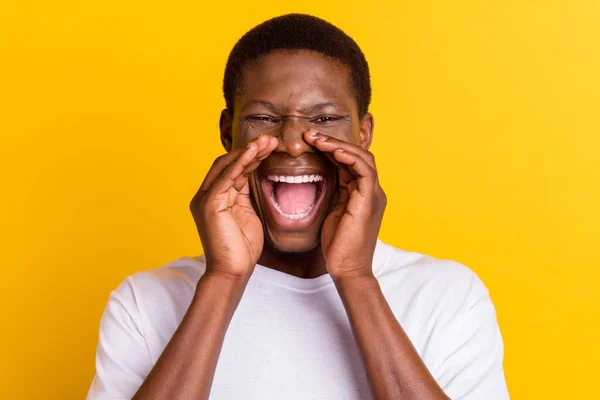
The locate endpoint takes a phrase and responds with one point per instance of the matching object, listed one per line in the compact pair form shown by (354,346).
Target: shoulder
(446,311)
(167,287)
(436,285)
(439,303)
(175,275)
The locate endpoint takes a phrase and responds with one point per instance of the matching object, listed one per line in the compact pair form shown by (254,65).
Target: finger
(217,168)
(231,172)
(236,174)
(329,144)
(242,179)
(270,144)
(358,166)
(344,173)
(223,161)
(262,142)
(262,155)
(266,145)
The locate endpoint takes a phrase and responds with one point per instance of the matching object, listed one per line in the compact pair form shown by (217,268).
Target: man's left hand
(349,233)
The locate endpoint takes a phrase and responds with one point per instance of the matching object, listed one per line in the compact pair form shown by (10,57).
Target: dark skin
(297,112)
(320,101)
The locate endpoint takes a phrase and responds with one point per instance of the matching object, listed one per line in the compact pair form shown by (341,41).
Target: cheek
(350,134)
(347,130)
(245,133)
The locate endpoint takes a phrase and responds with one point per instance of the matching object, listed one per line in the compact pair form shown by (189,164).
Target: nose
(290,137)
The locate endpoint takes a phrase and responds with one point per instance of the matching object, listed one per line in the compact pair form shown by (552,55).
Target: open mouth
(295,197)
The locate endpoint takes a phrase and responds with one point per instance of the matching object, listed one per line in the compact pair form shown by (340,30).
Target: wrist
(358,290)
(222,275)
(224,287)
(355,279)
(357,272)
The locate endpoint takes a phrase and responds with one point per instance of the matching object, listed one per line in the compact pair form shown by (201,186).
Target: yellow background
(487,140)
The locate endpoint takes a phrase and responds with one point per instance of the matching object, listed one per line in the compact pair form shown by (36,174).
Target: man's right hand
(232,237)
(231,232)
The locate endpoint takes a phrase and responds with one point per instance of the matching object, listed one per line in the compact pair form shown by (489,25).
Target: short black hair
(298,32)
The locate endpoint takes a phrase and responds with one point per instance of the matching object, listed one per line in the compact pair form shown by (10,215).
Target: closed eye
(262,118)
(325,119)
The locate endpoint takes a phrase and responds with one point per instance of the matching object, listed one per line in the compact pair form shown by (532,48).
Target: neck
(303,265)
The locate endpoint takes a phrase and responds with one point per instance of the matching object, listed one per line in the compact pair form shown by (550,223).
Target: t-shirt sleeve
(471,365)
(122,358)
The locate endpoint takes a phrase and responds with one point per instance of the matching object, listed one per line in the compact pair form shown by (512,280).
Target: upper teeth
(295,179)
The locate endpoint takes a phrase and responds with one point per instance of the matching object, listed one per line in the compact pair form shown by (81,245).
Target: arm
(186,368)
(394,368)
(232,238)
(348,240)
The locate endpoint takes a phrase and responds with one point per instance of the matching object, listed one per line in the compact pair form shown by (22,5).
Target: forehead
(294,80)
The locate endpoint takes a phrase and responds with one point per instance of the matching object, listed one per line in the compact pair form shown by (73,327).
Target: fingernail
(314,133)
(340,150)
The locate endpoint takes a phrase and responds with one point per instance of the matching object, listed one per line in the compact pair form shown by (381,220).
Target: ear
(367,124)
(226,127)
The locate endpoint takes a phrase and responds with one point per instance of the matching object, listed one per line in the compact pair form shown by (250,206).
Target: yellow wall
(487,139)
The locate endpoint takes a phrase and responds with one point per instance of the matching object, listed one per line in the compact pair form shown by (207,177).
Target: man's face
(285,94)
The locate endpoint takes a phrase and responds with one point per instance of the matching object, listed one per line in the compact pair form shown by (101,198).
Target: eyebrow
(271,107)
(263,103)
(323,106)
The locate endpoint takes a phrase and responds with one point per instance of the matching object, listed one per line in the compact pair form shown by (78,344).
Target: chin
(300,243)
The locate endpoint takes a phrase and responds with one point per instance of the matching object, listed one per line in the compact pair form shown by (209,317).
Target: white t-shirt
(290,337)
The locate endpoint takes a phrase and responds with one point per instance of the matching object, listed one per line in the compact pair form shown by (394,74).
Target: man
(295,297)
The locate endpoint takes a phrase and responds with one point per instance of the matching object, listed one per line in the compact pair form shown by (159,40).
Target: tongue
(295,198)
